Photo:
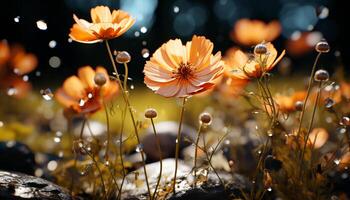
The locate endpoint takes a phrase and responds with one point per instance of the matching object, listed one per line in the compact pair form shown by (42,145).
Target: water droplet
(41,24)
(270,133)
(328,102)
(1,123)
(176,141)
(46,94)
(54,61)
(144,43)
(256,127)
(52,44)
(69,40)
(90,95)
(57,139)
(59,134)
(38,172)
(81,102)
(255,112)
(60,154)
(145,53)
(143,29)
(16,71)
(37,73)
(269,189)
(323,12)
(259,152)
(176,9)
(342,130)
(139,148)
(25,78)
(132,87)
(337,161)
(345,121)
(11,91)
(107,163)
(137,34)
(16,19)
(52,165)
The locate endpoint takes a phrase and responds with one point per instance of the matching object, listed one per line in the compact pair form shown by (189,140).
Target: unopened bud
(322,47)
(299,105)
(122,57)
(100,79)
(205,118)
(321,75)
(150,113)
(260,49)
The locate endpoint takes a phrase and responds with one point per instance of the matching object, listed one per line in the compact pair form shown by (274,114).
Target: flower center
(184,71)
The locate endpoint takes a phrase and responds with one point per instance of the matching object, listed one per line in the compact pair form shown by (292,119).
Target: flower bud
(151,113)
(299,105)
(260,49)
(122,57)
(321,75)
(345,121)
(205,118)
(100,79)
(322,47)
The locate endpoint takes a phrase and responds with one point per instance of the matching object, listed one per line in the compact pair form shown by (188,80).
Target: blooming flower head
(251,32)
(82,95)
(259,64)
(304,43)
(234,59)
(287,103)
(105,25)
(177,70)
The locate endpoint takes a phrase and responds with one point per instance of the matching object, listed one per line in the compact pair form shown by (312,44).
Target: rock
(16,156)
(21,186)
(135,185)
(167,133)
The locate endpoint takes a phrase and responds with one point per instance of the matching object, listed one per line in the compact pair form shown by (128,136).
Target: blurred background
(42,27)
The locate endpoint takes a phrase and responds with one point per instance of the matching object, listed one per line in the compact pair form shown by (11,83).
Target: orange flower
(15,86)
(82,95)
(177,70)
(303,44)
(251,32)
(105,25)
(286,104)
(234,59)
(259,64)
(21,61)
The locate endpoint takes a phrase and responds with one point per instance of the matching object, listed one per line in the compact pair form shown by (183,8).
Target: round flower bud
(205,118)
(260,49)
(345,121)
(322,47)
(299,105)
(100,79)
(123,57)
(321,75)
(150,113)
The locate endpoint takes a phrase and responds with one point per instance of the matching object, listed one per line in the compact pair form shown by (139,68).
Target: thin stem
(125,97)
(177,148)
(196,154)
(121,150)
(311,80)
(310,126)
(160,159)
(108,130)
(82,129)
(126,74)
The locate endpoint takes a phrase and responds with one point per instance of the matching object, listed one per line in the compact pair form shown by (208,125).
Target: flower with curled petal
(177,70)
(105,25)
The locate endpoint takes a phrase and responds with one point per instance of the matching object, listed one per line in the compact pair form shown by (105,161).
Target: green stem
(108,131)
(196,154)
(125,97)
(160,159)
(177,148)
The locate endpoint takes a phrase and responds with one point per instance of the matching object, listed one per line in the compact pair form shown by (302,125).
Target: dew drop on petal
(11,91)
(145,53)
(16,19)
(81,102)
(41,24)
(46,94)
(90,95)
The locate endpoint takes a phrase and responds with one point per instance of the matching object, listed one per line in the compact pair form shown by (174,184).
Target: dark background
(216,23)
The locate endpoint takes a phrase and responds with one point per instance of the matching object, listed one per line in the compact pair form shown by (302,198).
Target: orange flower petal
(101,14)
(86,75)
(80,34)
(73,87)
